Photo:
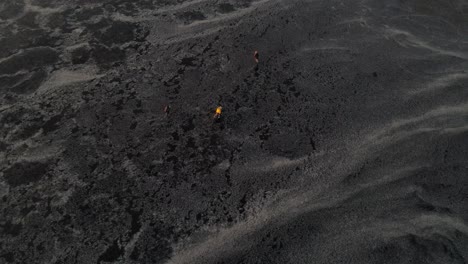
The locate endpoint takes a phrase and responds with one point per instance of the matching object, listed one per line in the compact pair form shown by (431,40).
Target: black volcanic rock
(345,143)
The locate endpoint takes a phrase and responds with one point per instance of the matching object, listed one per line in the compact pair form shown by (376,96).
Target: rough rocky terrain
(346,143)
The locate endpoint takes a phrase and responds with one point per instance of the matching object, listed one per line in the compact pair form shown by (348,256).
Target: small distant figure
(218,112)
(256,56)
(167,109)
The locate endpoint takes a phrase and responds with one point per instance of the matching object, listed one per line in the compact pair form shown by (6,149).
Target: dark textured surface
(347,143)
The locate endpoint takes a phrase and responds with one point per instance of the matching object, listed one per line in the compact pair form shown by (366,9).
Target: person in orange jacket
(218,112)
